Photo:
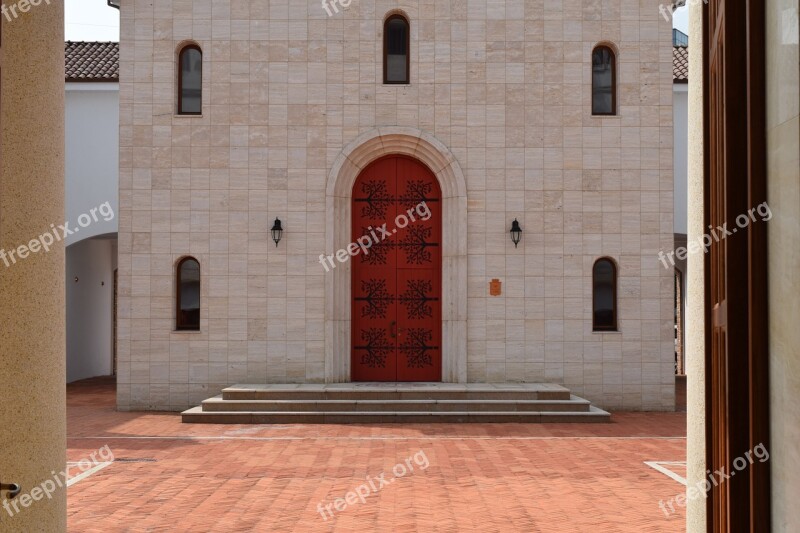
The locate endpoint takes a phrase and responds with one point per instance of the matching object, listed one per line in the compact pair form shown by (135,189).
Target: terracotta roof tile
(680,64)
(90,61)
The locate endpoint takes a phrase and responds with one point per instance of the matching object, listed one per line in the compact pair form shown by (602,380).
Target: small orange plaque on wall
(495,287)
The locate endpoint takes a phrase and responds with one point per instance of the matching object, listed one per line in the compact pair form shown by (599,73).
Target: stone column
(783,193)
(32,324)
(695,282)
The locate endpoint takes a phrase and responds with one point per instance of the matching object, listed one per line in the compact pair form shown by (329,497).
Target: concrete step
(398,391)
(198,415)
(218,404)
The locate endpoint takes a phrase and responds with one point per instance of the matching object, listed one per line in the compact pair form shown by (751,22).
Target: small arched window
(604,295)
(190,80)
(187,316)
(604,81)
(396,50)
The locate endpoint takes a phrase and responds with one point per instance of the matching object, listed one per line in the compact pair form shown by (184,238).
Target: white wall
(90,311)
(680,101)
(92,179)
(92,155)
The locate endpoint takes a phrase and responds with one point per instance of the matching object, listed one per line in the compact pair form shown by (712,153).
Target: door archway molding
(354,158)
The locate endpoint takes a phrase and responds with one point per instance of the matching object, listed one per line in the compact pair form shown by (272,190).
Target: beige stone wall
(783,144)
(504,86)
(32,302)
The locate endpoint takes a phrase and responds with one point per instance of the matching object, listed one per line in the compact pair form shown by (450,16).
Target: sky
(93,20)
(680,19)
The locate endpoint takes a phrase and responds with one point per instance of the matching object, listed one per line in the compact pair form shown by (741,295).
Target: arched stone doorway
(358,155)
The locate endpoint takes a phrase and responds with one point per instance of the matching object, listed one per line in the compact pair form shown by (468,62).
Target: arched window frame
(180,324)
(613,54)
(390,18)
(614,326)
(185,48)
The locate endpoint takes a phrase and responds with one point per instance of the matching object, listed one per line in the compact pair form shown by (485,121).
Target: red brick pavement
(481,477)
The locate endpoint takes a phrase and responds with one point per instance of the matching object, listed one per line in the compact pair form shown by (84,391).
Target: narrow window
(188,297)
(190,80)
(396,47)
(604,81)
(604,295)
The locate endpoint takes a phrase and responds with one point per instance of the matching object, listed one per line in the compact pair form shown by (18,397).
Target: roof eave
(91,80)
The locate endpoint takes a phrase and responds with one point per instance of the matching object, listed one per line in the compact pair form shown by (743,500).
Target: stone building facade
(294,108)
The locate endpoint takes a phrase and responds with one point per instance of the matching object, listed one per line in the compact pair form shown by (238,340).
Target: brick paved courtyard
(168,476)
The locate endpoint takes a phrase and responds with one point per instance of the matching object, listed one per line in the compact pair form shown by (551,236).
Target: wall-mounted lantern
(516,233)
(277,231)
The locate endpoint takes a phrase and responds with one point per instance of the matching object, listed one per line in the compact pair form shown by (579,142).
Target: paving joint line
(233,438)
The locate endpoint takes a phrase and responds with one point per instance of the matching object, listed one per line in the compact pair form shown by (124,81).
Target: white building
(92,183)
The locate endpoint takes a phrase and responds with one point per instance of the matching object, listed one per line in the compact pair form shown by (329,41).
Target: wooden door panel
(736,299)
(375,205)
(419,325)
(717,286)
(419,243)
(374,326)
(419,274)
(374,337)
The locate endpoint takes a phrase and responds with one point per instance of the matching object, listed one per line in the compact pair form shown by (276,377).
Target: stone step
(218,404)
(368,403)
(198,415)
(398,391)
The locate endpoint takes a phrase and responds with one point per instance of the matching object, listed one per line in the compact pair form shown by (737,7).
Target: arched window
(604,81)
(604,295)
(187,316)
(190,80)
(396,50)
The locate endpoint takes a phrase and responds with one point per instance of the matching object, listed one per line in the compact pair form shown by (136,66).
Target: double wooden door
(737,347)
(397,286)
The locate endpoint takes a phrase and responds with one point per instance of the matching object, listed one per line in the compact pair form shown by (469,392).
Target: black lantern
(277,231)
(516,233)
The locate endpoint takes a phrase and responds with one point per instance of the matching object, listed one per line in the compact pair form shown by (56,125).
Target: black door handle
(13,489)
(393,331)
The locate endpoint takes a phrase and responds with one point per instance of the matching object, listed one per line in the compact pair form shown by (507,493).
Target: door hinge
(720,314)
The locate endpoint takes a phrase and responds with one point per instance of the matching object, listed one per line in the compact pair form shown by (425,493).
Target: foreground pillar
(32,349)
(695,282)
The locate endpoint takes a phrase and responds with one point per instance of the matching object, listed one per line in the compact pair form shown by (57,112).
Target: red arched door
(397,284)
